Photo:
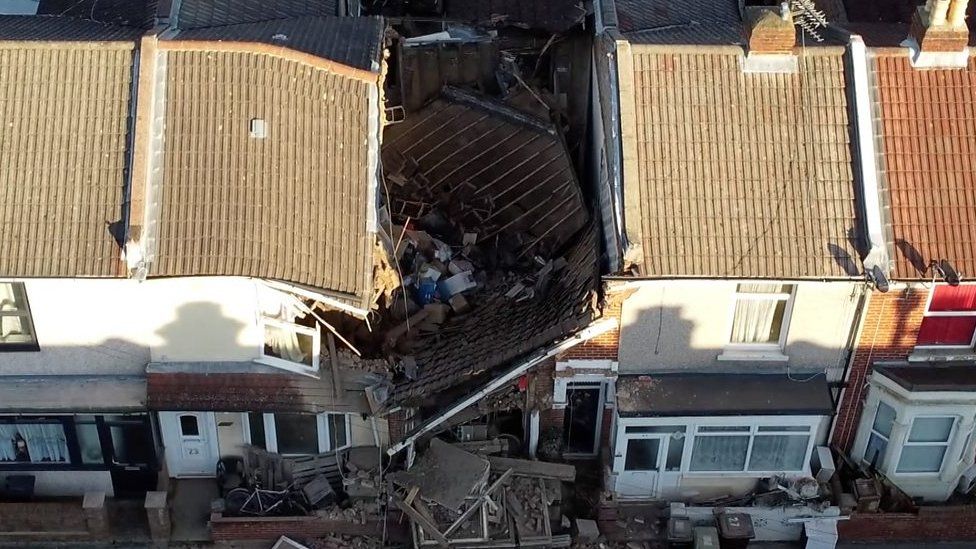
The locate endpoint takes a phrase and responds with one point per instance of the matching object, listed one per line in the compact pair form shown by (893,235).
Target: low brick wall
(270,528)
(61,520)
(945,523)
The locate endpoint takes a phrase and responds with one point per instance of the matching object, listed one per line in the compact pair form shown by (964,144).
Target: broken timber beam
(527,468)
(478,504)
(427,525)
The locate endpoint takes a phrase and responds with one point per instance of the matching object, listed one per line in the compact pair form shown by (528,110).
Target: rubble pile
(345,542)
(489,501)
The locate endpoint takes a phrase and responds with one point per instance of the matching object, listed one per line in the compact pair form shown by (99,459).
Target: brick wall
(931,524)
(269,528)
(604,346)
(889,331)
(60,520)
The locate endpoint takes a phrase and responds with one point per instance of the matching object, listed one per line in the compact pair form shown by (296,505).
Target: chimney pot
(937,13)
(940,27)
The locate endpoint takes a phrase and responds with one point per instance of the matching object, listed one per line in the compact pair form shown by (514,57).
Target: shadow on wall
(200,331)
(661,338)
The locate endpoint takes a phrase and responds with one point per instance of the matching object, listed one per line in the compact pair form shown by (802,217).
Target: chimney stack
(770,30)
(940,26)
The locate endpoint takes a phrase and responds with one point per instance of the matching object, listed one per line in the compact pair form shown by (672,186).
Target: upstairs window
(290,346)
(761,315)
(950,320)
(16,325)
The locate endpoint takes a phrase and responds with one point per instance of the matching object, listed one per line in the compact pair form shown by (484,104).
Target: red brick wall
(889,331)
(270,528)
(604,346)
(951,523)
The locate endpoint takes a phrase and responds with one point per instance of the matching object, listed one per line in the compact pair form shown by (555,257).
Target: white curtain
(284,344)
(753,320)
(45,441)
(7,433)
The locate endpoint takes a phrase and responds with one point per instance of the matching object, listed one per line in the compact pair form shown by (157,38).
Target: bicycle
(260,502)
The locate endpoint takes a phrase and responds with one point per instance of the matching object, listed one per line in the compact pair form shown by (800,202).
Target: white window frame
(296,367)
(693,425)
(322,427)
(908,444)
(927,314)
(759,351)
(887,439)
(26,316)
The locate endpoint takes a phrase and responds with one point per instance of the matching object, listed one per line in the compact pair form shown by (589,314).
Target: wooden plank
(478,504)
(334,363)
(421,520)
(527,468)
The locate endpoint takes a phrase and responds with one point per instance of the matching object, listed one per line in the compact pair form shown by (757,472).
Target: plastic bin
(735,530)
(680,533)
(706,537)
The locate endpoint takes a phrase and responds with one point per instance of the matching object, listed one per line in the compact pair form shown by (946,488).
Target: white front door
(637,463)
(190,439)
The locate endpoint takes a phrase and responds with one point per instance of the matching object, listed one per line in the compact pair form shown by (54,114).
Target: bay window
(925,448)
(33,442)
(950,318)
(298,434)
(884,419)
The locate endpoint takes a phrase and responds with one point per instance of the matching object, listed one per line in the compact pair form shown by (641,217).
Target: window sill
(941,355)
(752,356)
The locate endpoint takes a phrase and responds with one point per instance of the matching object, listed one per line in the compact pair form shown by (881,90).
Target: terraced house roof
(64,109)
(736,174)
(215,13)
(928,168)
(266,166)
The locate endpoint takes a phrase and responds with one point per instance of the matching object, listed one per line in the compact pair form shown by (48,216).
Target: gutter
(584,335)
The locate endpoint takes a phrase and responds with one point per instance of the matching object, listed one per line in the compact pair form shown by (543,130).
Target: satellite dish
(948,272)
(877,275)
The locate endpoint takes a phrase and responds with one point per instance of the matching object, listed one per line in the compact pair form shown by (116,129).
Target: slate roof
(739,174)
(499,330)
(215,13)
(928,168)
(292,206)
(714,22)
(48,28)
(64,111)
(235,387)
(131,13)
(353,41)
(548,15)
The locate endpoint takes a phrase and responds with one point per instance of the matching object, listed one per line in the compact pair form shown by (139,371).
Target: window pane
(758,320)
(15,322)
(874,453)
(946,330)
(189,426)
(884,419)
(921,459)
(954,298)
(778,452)
(337,431)
(965,446)
(256,427)
(642,454)
(131,443)
(784,429)
(91,447)
(676,450)
(764,288)
(288,345)
(297,433)
(931,429)
(719,453)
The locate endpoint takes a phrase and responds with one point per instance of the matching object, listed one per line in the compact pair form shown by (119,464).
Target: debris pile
(336,541)
(488,501)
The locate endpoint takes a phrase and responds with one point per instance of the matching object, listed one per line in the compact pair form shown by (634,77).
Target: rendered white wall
(684,325)
(67,483)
